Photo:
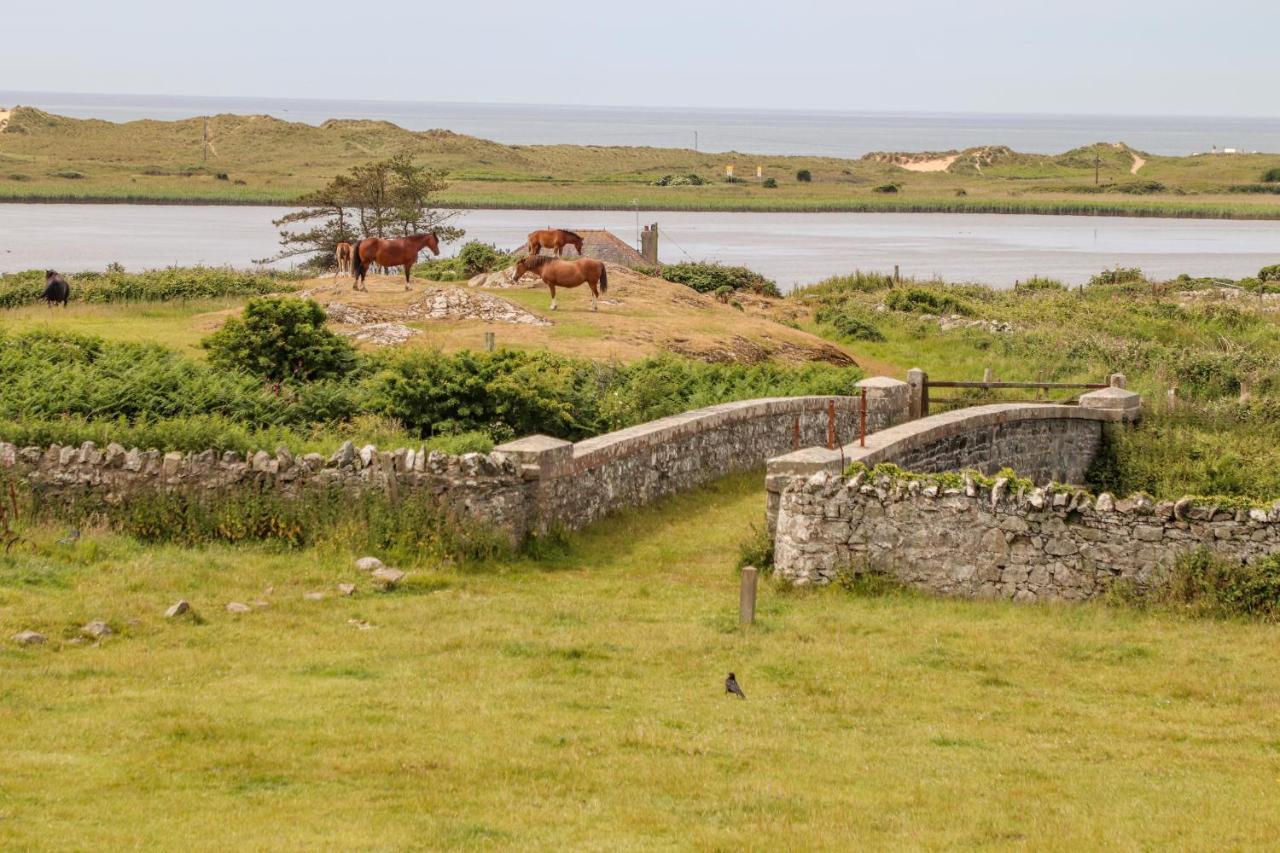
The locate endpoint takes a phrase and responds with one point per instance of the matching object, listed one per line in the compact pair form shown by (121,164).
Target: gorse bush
(1271,273)
(804,176)
(1042,284)
(770,183)
(476,257)
(1272,175)
(707,277)
(689,180)
(174,283)
(279,340)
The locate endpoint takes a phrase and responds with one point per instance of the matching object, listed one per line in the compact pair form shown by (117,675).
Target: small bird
(731,686)
(70,539)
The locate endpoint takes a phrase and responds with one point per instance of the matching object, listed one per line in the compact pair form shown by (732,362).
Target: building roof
(606,246)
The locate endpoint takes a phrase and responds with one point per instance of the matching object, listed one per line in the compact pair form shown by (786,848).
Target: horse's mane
(572,234)
(535,262)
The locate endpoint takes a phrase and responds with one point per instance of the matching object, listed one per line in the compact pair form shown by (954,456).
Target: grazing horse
(557,273)
(56,289)
(552,238)
(390,253)
(342,254)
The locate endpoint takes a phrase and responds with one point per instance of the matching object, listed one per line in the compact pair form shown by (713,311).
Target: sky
(1083,57)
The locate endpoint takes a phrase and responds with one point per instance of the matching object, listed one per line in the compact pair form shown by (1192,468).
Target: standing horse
(56,289)
(552,238)
(556,273)
(390,253)
(342,254)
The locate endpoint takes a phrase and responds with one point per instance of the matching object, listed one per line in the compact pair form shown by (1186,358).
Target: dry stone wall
(486,486)
(956,536)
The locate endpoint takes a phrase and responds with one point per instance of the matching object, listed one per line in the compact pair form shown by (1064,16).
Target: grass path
(576,703)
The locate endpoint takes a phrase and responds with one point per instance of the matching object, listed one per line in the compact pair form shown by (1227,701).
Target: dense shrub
(173,283)
(279,340)
(917,301)
(476,257)
(804,176)
(1204,584)
(848,324)
(770,183)
(1042,284)
(689,180)
(1271,273)
(886,188)
(1119,275)
(69,389)
(1140,187)
(708,277)
(1272,175)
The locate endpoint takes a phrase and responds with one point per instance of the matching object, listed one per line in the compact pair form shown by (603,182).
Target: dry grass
(577,704)
(643,316)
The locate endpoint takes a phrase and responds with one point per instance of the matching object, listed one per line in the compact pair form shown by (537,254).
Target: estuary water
(791,248)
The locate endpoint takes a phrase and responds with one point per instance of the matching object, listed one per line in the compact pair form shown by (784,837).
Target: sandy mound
(4,119)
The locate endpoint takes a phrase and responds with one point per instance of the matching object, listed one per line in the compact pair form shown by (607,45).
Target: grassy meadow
(263,160)
(576,702)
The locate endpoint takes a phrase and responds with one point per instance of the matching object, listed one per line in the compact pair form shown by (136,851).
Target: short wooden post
(896,277)
(490,341)
(795,434)
(986,376)
(831,424)
(747,596)
(862,419)
(918,381)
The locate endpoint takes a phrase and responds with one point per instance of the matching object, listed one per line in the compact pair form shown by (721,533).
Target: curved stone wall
(1043,442)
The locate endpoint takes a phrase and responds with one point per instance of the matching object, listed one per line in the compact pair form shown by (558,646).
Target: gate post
(918,381)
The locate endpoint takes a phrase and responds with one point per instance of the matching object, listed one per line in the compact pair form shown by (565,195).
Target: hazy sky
(1081,56)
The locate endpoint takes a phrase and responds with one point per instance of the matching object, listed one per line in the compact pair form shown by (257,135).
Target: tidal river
(791,248)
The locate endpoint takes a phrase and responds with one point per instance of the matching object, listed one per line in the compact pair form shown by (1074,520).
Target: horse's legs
(408,266)
(553,296)
(595,294)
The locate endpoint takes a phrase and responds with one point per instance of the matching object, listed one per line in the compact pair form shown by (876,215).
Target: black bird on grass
(731,686)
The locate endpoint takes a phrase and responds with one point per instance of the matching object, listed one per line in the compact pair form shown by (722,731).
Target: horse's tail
(357,265)
(604,278)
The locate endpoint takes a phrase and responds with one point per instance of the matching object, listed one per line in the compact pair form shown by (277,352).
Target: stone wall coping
(887,442)
(602,448)
(872,382)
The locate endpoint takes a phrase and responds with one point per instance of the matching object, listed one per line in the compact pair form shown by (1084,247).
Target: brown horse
(552,238)
(557,273)
(342,255)
(390,253)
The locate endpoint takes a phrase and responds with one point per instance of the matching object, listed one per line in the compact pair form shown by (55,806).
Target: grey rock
(96,629)
(239,607)
(368,564)
(387,577)
(347,588)
(29,638)
(177,608)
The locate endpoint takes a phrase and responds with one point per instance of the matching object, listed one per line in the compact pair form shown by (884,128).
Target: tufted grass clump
(1202,584)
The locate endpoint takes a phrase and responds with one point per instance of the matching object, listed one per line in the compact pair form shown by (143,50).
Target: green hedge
(174,283)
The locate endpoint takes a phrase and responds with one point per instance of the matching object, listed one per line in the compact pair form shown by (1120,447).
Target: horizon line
(648,107)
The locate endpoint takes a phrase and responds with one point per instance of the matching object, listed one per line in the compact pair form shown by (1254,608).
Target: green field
(576,702)
(262,160)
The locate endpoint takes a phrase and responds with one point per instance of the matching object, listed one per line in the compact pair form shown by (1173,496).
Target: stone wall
(1042,442)
(959,537)
(485,486)
(579,483)
(523,485)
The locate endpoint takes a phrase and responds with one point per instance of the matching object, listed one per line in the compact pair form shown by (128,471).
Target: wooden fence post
(831,425)
(489,341)
(747,596)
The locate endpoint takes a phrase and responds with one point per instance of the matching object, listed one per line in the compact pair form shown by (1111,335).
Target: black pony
(56,289)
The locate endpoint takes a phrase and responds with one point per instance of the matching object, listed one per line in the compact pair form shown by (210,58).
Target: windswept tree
(387,198)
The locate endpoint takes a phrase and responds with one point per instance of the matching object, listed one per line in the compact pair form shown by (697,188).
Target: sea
(771,131)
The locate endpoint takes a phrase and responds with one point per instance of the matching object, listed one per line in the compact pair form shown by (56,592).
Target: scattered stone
(359,623)
(97,629)
(177,609)
(314,596)
(29,638)
(368,564)
(387,578)
(259,604)
(239,607)
(347,588)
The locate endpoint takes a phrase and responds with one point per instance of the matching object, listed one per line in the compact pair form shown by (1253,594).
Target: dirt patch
(4,119)
(1138,163)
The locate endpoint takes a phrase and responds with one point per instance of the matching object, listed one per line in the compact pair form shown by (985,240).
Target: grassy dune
(576,703)
(262,160)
